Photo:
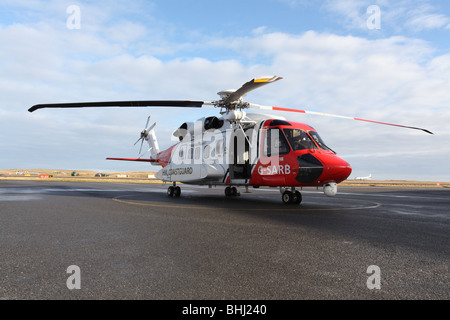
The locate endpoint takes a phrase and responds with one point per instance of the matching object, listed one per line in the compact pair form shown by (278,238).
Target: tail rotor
(145,136)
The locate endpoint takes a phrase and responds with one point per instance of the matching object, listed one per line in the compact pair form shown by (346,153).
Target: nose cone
(339,169)
(336,169)
(322,168)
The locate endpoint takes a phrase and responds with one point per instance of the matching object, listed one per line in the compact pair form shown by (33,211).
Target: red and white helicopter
(240,149)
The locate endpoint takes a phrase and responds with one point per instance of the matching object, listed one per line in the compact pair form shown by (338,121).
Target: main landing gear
(174,191)
(291,196)
(231,192)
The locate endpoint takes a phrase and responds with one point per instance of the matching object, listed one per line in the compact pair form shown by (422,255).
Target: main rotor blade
(107,104)
(249,86)
(334,115)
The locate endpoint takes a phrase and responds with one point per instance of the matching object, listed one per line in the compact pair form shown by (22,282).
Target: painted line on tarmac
(373,205)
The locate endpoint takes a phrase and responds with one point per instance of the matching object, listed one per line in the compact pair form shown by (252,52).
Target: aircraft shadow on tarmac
(261,200)
(254,201)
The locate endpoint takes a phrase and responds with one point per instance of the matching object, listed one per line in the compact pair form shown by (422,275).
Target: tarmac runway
(131,241)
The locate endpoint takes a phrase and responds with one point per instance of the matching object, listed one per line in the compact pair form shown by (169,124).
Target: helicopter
(240,149)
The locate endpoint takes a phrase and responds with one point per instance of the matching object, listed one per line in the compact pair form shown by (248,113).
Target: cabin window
(206,152)
(181,153)
(219,147)
(275,143)
(197,153)
(299,139)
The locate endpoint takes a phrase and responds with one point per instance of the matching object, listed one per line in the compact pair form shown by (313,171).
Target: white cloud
(351,13)
(428,22)
(396,16)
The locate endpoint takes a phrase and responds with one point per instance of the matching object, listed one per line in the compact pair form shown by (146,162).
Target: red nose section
(338,169)
(321,167)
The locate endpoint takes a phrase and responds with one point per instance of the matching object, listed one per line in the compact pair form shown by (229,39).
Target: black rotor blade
(106,104)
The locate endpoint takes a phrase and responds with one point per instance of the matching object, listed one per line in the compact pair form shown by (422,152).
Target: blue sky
(329,56)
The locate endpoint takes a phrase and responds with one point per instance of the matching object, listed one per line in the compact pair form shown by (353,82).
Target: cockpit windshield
(319,141)
(299,139)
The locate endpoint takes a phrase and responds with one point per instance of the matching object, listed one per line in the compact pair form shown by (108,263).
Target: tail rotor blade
(137,141)
(148,120)
(140,149)
(143,154)
(151,127)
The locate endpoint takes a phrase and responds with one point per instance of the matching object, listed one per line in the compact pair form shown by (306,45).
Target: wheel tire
(297,197)
(170,191)
(234,191)
(177,192)
(287,197)
(228,191)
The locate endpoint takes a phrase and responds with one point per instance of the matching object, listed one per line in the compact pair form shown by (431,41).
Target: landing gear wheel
(176,192)
(287,197)
(291,197)
(231,192)
(170,191)
(297,197)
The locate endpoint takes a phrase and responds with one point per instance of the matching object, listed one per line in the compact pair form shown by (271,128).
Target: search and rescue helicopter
(238,148)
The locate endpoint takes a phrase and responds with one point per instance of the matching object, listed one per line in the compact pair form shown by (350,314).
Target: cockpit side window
(299,139)
(275,143)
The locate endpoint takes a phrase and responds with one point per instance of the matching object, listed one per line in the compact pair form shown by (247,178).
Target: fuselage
(261,151)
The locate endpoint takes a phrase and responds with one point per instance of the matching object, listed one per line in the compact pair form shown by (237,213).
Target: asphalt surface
(130,241)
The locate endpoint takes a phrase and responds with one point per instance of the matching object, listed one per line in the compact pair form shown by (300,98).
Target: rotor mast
(232,99)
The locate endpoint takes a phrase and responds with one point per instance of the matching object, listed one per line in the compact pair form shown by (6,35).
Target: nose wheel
(291,197)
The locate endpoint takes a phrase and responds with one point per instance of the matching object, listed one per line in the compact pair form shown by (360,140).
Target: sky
(380,60)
